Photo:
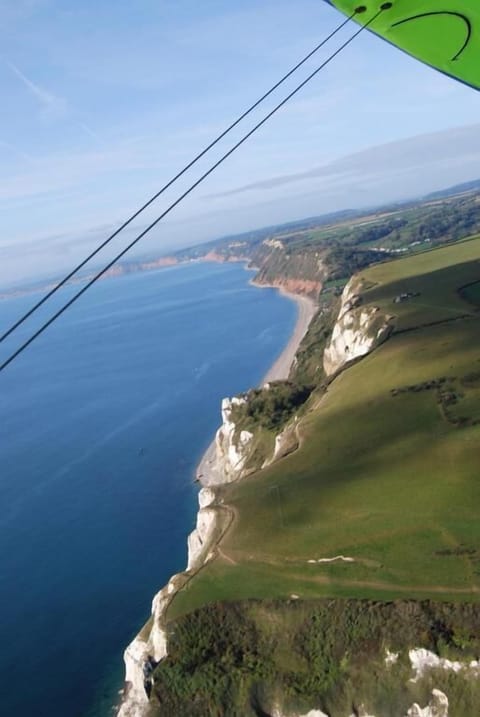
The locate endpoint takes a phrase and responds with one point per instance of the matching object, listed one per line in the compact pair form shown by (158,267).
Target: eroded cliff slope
(357,331)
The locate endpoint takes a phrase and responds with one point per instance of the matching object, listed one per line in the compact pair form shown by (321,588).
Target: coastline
(206,474)
(306,311)
(150,646)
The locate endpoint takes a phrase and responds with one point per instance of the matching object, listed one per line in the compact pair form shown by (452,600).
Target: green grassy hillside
(387,474)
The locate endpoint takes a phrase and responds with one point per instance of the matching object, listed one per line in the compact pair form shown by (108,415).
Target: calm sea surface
(102,423)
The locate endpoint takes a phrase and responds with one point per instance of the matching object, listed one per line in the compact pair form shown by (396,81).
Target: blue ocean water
(102,423)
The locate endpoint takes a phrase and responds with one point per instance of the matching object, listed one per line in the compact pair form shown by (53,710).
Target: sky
(102,102)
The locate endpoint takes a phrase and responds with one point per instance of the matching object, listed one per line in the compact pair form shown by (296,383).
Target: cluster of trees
(451,223)
(215,656)
(272,407)
(379,231)
(424,386)
(343,261)
(449,396)
(236,658)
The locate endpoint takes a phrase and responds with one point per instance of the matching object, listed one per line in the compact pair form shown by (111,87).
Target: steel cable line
(172,181)
(199,181)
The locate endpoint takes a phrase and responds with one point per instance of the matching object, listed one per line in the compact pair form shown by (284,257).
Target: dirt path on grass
(271,562)
(226,557)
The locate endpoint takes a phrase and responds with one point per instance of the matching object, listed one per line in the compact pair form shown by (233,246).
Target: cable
(172,181)
(199,181)
(204,176)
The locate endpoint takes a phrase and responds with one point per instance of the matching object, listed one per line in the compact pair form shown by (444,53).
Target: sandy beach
(280,370)
(306,311)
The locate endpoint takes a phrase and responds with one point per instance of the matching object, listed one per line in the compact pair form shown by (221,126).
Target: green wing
(445,35)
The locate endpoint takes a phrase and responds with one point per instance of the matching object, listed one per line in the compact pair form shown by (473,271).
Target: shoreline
(205,473)
(307,308)
(151,643)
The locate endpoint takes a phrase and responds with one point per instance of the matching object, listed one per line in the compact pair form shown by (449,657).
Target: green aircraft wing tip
(444,35)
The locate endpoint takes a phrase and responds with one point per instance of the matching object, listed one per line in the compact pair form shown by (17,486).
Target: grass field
(472,293)
(388,472)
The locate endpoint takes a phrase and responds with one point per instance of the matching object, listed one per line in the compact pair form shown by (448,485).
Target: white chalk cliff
(226,459)
(228,462)
(200,540)
(232,448)
(150,645)
(285,443)
(357,331)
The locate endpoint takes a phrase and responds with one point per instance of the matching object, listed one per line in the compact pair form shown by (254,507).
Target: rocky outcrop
(135,700)
(142,656)
(201,539)
(423,661)
(228,459)
(286,442)
(357,331)
(438,707)
(150,646)
(232,447)
(273,243)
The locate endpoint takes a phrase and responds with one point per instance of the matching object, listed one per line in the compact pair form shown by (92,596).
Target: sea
(103,421)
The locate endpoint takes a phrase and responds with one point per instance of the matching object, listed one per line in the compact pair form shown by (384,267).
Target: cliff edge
(150,646)
(358,329)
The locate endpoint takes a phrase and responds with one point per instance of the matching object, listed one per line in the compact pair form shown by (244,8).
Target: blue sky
(103,101)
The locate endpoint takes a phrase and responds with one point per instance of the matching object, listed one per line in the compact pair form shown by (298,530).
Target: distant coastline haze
(93,124)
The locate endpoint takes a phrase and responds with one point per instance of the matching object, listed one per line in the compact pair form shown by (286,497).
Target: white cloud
(89,131)
(51,106)
(459,147)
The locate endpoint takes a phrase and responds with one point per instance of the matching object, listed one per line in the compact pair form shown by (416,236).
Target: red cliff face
(302,287)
